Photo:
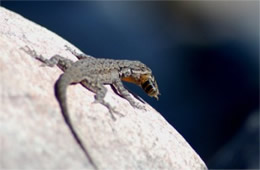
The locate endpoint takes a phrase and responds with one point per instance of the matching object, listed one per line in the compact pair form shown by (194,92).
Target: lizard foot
(110,108)
(70,49)
(29,51)
(138,106)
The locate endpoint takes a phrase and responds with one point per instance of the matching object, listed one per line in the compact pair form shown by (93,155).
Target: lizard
(93,74)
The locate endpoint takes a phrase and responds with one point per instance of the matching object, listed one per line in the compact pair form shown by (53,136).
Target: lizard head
(142,75)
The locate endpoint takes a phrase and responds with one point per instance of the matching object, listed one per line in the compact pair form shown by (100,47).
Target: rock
(34,134)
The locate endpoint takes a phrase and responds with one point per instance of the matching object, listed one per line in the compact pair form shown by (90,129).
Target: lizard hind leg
(61,62)
(101,91)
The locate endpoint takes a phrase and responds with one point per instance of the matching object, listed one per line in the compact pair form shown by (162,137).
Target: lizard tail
(60,92)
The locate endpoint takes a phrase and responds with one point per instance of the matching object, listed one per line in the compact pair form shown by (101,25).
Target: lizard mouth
(147,82)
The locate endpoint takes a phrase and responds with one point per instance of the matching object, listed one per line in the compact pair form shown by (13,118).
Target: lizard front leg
(125,94)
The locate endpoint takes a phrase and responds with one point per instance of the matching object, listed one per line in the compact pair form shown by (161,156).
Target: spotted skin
(94,73)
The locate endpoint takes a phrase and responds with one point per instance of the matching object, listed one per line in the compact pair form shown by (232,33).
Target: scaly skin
(94,73)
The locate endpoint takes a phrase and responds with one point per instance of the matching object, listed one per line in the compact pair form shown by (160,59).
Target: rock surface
(33,134)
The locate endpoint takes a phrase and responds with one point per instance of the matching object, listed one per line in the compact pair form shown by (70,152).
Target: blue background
(204,55)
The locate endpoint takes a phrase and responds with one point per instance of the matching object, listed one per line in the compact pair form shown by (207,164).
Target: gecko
(93,73)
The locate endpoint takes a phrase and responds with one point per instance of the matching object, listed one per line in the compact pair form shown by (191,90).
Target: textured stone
(33,134)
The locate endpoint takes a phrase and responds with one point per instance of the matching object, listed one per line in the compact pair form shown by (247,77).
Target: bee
(147,83)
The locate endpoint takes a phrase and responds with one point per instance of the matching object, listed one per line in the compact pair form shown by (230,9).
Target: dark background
(204,55)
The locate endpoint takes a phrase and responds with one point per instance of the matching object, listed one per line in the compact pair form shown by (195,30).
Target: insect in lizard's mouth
(147,82)
(149,85)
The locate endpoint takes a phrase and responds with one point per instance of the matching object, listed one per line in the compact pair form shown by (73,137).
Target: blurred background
(204,55)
